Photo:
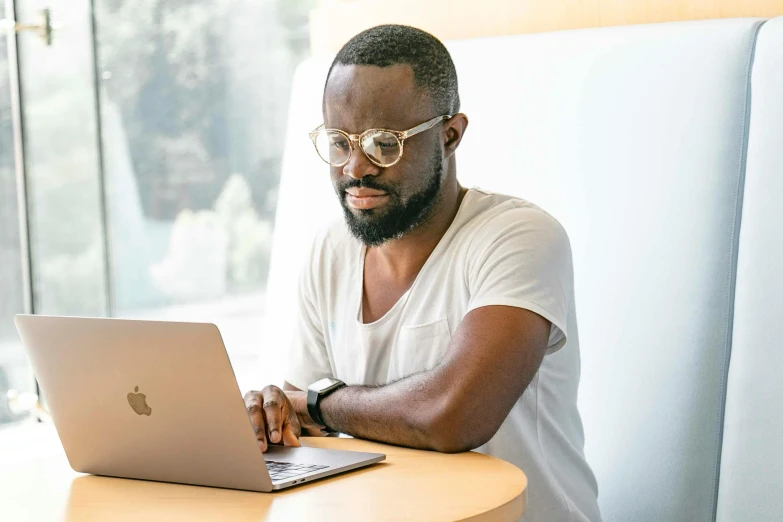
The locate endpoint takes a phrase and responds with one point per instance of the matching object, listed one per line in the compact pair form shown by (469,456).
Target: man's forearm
(406,413)
(459,404)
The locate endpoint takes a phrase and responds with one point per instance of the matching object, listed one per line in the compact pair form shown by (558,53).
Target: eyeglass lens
(380,146)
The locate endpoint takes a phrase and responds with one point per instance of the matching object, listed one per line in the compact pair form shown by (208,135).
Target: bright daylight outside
(190,117)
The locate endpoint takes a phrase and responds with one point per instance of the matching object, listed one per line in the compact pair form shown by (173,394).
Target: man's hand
(279,417)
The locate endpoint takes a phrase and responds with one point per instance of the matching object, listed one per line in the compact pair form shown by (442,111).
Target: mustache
(365,182)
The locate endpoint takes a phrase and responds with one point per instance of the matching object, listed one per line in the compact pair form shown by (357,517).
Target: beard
(374,227)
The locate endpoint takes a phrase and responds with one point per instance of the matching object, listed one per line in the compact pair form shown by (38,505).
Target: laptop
(159,401)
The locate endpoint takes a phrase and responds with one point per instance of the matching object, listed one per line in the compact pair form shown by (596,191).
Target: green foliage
(195,81)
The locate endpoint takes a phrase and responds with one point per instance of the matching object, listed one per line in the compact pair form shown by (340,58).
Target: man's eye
(340,144)
(387,145)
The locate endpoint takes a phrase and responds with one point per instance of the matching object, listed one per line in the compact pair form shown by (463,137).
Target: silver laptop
(159,401)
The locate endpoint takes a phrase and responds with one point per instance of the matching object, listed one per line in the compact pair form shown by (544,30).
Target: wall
(333,22)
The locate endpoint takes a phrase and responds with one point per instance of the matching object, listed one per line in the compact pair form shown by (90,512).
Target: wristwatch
(315,394)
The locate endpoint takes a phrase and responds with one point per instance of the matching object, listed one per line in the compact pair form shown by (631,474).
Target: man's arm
(524,260)
(456,406)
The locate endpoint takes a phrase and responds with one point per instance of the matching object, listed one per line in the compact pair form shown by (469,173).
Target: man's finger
(293,422)
(291,429)
(262,443)
(289,439)
(273,413)
(256,415)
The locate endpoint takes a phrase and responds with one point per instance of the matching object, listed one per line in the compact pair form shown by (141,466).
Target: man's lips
(364,199)
(361,192)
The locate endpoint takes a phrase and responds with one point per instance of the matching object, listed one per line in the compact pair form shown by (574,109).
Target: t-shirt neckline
(400,303)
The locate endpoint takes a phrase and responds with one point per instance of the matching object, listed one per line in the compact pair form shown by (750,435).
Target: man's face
(384,203)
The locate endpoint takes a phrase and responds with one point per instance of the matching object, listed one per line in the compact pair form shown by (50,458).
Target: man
(449,312)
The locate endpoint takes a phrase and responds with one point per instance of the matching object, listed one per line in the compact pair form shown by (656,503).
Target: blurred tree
(203,90)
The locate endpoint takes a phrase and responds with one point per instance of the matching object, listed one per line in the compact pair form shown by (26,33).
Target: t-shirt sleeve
(522,258)
(308,356)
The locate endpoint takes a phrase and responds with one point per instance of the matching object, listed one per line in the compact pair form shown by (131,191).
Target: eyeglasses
(381,146)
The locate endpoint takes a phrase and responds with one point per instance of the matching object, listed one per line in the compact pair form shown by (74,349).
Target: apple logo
(138,401)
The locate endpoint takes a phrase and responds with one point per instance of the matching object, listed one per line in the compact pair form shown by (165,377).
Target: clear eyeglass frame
(355,140)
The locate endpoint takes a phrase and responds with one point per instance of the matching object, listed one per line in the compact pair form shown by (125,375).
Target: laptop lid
(144,399)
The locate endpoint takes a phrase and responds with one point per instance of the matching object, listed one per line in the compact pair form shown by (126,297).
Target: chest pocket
(419,347)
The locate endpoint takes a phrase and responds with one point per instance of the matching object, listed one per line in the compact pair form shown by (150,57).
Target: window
(194,101)
(153,147)
(14,373)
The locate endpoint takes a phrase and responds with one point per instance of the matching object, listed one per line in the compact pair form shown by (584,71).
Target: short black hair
(386,45)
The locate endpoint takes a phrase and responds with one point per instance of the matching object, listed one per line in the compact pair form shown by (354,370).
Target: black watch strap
(316,393)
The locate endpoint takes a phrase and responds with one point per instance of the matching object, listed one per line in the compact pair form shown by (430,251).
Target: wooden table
(37,484)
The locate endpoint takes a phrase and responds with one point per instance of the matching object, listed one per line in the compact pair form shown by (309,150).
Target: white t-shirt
(498,250)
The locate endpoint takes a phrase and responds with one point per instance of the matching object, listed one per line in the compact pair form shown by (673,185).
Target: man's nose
(360,165)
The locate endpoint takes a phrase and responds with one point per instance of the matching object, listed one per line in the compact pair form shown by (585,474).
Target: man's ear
(454,129)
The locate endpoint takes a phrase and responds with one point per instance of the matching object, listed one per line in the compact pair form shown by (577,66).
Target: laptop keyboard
(284,470)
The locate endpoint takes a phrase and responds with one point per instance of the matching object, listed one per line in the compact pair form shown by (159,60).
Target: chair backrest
(751,480)
(634,139)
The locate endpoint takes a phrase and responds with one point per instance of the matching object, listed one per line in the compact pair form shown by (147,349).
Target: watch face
(324,384)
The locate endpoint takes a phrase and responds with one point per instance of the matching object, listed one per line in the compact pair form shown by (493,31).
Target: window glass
(194,101)
(62,162)
(14,372)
